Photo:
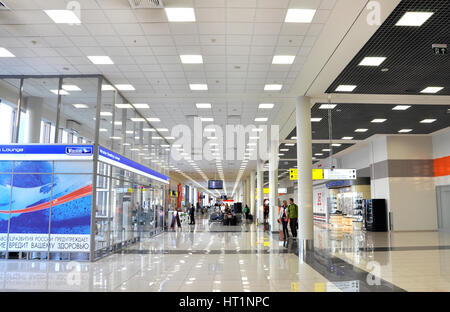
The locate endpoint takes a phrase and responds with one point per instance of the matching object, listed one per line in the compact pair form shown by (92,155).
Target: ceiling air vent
(146,4)
(3,6)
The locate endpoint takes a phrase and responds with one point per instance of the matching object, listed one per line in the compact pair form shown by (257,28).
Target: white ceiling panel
(237,39)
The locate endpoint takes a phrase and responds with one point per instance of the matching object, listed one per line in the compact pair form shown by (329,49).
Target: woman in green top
(246,211)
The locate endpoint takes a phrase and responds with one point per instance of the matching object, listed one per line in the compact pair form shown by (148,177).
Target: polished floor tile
(210,257)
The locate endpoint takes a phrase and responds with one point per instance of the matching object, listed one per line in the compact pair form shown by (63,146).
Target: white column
(273,186)
(34,112)
(252,192)
(304,164)
(259,193)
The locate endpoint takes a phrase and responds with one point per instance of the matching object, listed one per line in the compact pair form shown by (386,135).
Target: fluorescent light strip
(100,60)
(63,16)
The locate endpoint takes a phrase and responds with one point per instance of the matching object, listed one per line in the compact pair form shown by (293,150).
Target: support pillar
(304,165)
(34,112)
(260,194)
(252,192)
(273,186)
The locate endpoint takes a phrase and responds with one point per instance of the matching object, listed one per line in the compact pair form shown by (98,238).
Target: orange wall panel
(442,166)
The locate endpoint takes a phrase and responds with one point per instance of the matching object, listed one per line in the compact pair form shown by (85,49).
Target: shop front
(75,202)
(342,204)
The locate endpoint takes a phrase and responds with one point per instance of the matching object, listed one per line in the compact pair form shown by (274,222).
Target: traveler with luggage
(293,215)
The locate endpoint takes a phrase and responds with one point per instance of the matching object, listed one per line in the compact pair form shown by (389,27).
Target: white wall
(410,147)
(415,209)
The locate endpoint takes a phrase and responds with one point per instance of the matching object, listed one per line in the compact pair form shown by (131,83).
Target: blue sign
(127,164)
(84,150)
(79,151)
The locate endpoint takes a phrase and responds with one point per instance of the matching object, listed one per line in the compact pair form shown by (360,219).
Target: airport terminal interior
(225,146)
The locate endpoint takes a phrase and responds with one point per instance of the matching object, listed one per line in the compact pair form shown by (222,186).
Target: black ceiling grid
(412,65)
(346,118)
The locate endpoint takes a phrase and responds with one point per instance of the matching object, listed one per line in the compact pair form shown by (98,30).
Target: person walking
(283,218)
(293,216)
(246,212)
(192,214)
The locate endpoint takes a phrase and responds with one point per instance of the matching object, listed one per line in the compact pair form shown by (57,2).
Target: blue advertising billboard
(44,206)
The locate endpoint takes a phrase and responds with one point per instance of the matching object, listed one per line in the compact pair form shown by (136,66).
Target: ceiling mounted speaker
(146,4)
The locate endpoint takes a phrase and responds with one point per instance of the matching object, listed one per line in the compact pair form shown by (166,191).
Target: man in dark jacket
(192,214)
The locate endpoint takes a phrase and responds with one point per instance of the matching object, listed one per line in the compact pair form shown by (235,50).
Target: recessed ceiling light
(257,130)
(284,150)
(283,59)
(115,138)
(148,130)
(372,61)
(347,138)
(428,121)
(414,18)
(63,16)
(129,132)
(108,88)
(137,119)
(80,105)
(326,150)
(124,106)
(432,90)
(379,120)
(198,87)
(162,129)
(5,53)
(191,59)
(141,105)
(180,14)
(101,60)
(300,15)
(318,154)
(153,119)
(345,88)
(273,87)
(103,130)
(327,106)
(405,130)
(266,106)
(61,92)
(125,87)
(289,144)
(316,119)
(203,105)
(117,123)
(261,119)
(207,119)
(401,107)
(361,130)
(71,88)
(336,144)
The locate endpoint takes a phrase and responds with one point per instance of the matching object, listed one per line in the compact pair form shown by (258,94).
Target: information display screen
(215,184)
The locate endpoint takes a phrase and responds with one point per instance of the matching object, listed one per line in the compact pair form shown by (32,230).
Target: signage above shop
(117,160)
(46,152)
(327,174)
(339,174)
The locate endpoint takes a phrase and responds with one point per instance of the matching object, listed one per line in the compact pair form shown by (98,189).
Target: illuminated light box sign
(117,160)
(327,174)
(46,152)
(339,174)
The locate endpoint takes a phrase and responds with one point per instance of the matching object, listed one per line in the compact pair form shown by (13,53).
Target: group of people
(289,215)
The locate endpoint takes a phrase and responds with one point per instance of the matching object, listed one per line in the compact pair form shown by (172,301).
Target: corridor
(209,257)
